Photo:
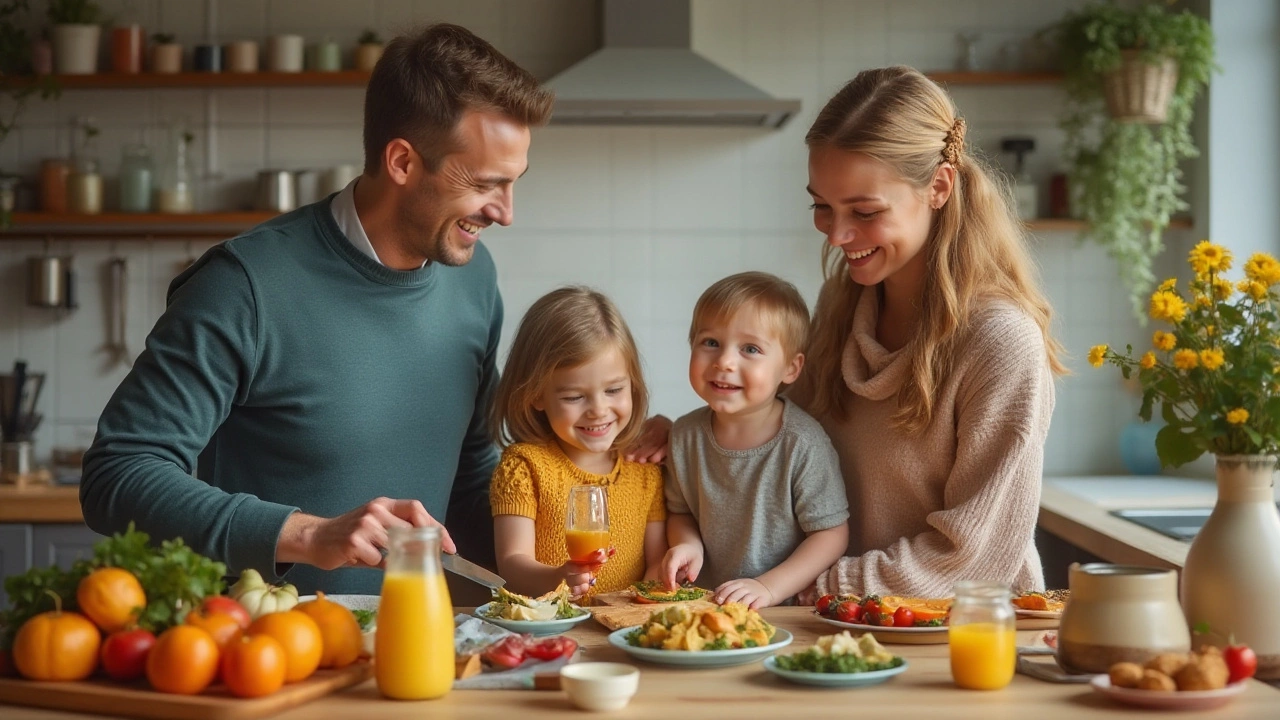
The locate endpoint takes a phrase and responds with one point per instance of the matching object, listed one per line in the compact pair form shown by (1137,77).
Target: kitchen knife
(471,571)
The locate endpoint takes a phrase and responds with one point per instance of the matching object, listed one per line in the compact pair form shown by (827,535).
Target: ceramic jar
(1119,613)
(1231,578)
(366,56)
(166,58)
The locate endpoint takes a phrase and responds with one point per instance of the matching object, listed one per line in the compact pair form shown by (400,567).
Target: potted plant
(75,35)
(1123,168)
(16,59)
(368,50)
(166,55)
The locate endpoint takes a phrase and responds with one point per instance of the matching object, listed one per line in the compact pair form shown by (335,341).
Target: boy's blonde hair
(777,301)
(565,328)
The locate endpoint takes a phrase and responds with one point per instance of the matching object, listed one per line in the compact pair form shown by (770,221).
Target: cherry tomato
(506,653)
(849,612)
(1242,662)
(823,605)
(223,605)
(551,648)
(903,617)
(871,607)
(124,653)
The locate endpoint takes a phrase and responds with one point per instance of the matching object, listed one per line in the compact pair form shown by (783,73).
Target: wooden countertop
(40,504)
(1090,526)
(747,691)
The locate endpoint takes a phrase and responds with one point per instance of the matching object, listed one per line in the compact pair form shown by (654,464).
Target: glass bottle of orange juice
(983,636)
(413,651)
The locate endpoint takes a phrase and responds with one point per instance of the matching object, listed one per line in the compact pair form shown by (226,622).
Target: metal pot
(50,282)
(277,191)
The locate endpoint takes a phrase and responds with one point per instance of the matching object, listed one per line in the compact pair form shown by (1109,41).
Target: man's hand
(651,447)
(581,576)
(747,591)
(353,539)
(682,562)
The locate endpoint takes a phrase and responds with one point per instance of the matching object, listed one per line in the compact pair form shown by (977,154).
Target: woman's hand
(747,591)
(653,442)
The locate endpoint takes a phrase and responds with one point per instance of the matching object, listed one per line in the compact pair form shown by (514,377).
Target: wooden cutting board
(137,701)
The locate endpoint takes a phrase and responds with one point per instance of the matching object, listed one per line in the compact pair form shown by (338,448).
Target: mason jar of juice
(413,651)
(982,635)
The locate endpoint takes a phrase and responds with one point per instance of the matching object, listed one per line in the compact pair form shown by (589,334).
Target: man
(333,368)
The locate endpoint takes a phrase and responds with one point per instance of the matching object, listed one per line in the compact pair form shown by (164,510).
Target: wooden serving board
(135,700)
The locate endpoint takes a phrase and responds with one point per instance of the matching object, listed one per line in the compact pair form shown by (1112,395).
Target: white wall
(650,215)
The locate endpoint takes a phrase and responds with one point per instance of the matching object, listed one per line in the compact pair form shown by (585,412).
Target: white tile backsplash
(650,215)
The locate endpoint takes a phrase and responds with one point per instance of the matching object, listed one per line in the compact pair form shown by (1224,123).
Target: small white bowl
(600,686)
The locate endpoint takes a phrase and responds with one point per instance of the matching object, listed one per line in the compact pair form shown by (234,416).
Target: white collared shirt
(343,208)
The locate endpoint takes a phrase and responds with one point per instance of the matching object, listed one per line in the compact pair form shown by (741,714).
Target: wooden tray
(135,700)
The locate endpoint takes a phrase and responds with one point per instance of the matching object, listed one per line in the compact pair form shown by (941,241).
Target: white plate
(699,658)
(533,627)
(871,677)
(936,635)
(1040,614)
(1168,700)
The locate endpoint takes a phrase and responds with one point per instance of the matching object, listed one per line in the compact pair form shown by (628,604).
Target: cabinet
(26,545)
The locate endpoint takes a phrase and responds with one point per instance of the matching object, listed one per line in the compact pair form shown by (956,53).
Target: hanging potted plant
(1131,76)
(75,35)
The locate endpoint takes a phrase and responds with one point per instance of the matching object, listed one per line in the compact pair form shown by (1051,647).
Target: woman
(931,365)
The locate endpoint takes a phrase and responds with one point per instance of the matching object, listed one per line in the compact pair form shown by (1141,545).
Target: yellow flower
(1212,358)
(1164,341)
(1255,288)
(1222,288)
(1206,257)
(1210,330)
(1166,305)
(1238,416)
(1263,268)
(1148,361)
(1186,359)
(1169,284)
(1203,301)
(1097,354)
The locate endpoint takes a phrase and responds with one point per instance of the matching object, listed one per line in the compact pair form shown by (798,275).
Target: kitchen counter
(40,504)
(747,691)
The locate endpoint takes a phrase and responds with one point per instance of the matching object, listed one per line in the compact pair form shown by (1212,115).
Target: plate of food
(730,634)
(652,592)
(549,614)
(1046,604)
(838,661)
(1173,681)
(894,619)
(1168,699)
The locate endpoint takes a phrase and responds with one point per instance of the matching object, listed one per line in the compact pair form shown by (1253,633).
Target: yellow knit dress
(533,481)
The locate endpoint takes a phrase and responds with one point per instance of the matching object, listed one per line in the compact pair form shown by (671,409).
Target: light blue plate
(699,658)
(533,627)
(870,677)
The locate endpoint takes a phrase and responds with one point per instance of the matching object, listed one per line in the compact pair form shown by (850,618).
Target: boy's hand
(682,562)
(751,593)
(580,576)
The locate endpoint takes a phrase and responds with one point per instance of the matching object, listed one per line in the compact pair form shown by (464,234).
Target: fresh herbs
(655,591)
(814,660)
(366,618)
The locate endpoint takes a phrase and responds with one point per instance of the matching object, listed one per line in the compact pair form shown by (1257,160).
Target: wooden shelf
(141,226)
(198,80)
(947,77)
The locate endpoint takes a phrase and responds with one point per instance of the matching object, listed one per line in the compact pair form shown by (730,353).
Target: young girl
(570,397)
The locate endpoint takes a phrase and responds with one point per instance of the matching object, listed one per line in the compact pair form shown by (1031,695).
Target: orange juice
(413,655)
(983,655)
(582,543)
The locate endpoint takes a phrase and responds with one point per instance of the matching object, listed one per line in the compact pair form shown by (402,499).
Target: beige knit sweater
(958,501)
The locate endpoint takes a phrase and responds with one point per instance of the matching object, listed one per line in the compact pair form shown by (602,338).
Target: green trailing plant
(74,12)
(1124,176)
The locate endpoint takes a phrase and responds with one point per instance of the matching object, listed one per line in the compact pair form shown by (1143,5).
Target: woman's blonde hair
(566,328)
(976,248)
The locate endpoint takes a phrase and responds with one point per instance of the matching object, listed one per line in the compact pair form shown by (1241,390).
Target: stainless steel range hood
(646,74)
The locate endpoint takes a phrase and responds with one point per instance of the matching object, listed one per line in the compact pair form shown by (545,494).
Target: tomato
(1242,662)
(184,660)
(224,629)
(57,645)
(254,665)
(824,603)
(871,607)
(300,637)
(903,617)
(849,612)
(124,654)
(339,631)
(551,648)
(506,653)
(223,605)
(111,597)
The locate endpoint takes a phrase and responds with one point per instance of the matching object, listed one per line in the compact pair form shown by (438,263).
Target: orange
(184,660)
(338,628)
(253,666)
(300,637)
(111,597)
(57,645)
(223,628)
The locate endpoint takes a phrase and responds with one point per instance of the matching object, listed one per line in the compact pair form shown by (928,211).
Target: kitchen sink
(1179,523)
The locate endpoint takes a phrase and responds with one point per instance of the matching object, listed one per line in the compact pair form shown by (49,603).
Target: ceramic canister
(1119,613)
(284,53)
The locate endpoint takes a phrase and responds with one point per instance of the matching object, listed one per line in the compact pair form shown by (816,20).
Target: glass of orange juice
(982,636)
(586,522)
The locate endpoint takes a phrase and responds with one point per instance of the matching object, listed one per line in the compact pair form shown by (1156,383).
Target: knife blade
(471,571)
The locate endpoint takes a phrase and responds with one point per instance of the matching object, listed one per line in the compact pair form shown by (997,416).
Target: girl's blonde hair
(565,328)
(976,248)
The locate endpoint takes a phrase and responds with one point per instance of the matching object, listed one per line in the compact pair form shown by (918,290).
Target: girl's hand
(581,576)
(652,445)
(682,562)
(747,591)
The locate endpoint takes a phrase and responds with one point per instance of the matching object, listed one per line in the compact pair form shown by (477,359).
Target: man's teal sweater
(305,376)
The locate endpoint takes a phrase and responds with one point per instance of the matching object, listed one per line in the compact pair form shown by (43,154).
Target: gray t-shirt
(754,507)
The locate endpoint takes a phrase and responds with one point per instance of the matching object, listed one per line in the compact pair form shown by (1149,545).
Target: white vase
(1231,578)
(75,49)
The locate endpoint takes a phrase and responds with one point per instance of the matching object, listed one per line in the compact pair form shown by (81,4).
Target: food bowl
(599,686)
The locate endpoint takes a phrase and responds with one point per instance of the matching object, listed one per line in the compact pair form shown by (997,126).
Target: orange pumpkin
(111,597)
(57,645)
(300,637)
(339,630)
